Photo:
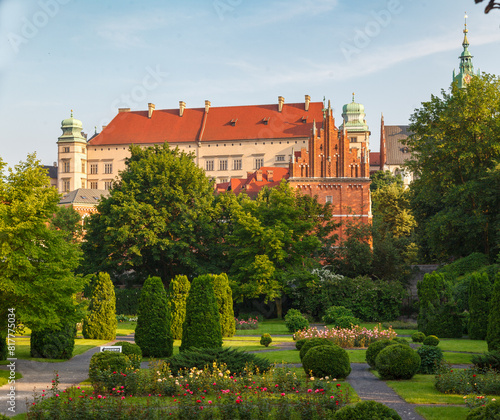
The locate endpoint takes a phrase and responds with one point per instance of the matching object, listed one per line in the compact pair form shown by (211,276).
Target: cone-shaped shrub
(100,322)
(224,297)
(201,327)
(152,333)
(493,336)
(177,294)
(479,301)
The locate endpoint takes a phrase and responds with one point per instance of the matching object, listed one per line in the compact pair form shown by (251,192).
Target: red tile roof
(374,158)
(251,186)
(222,123)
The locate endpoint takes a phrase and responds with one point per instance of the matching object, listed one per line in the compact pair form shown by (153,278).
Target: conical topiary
(152,333)
(201,327)
(479,301)
(224,296)
(493,336)
(178,291)
(100,322)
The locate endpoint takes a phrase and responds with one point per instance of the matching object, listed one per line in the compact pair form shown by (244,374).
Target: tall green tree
(69,221)
(381,179)
(272,237)
(493,334)
(479,302)
(178,291)
(157,219)
(455,155)
(37,263)
(224,297)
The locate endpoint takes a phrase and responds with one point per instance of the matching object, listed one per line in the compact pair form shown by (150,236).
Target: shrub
(152,333)
(296,322)
(489,360)
(397,362)
(489,411)
(431,340)
(333,313)
(178,291)
(313,342)
(52,343)
(299,343)
(266,339)
(3,346)
(467,381)
(375,348)
(246,324)
(366,410)
(493,335)
(224,297)
(100,322)
(132,351)
(479,300)
(201,327)
(472,262)
(401,340)
(418,337)
(127,301)
(110,361)
(329,360)
(235,360)
(430,357)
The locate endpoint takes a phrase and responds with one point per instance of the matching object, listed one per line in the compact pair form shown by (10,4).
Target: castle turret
(466,70)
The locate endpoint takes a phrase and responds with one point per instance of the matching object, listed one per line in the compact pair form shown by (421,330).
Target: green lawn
(4,376)
(463,345)
(269,326)
(126,328)
(458,358)
(443,413)
(357,356)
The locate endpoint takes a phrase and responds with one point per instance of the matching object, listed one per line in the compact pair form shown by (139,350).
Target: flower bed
(467,381)
(348,337)
(246,324)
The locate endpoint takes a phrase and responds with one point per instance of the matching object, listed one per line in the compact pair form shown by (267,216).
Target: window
(93,185)
(93,168)
(329,199)
(221,180)
(65,166)
(209,165)
(259,162)
(84,182)
(108,185)
(108,168)
(84,166)
(237,165)
(66,185)
(223,165)
(65,149)
(353,139)
(280,158)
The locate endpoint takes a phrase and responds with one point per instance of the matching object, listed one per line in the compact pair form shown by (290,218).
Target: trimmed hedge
(295,321)
(472,262)
(430,358)
(224,297)
(201,328)
(489,411)
(314,342)
(266,339)
(152,333)
(418,337)
(397,362)
(375,348)
(235,360)
(493,336)
(52,343)
(108,361)
(488,360)
(132,351)
(329,360)
(178,291)
(333,313)
(365,410)
(431,340)
(100,322)
(479,302)
(300,343)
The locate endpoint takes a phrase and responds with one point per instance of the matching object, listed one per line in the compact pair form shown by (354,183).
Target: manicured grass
(458,358)
(463,345)
(357,356)
(4,376)
(126,328)
(443,413)
(284,356)
(269,326)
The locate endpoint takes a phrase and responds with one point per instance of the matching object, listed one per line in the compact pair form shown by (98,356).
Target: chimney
(270,176)
(123,109)
(258,176)
(151,108)
(182,106)
(281,101)
(249,174)
(104,126)
(207,106)
(55,164)
(308,99)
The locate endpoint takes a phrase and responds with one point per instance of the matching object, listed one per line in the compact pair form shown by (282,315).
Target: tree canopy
(157,219)
(37,262)
(456,155)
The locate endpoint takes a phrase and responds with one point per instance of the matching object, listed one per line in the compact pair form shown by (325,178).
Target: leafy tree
(68,220)
(152,333)
(382,179)
(273,236)
(479,297)
(157,219)
(456,154)
(224,297)
(201,327)
(178,291)
(493,334)
(36,263)
(100,322)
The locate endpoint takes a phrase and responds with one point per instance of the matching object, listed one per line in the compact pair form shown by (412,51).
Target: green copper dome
(72,130)
(71,122)
(353,115)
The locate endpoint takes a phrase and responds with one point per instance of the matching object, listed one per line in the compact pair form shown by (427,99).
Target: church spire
(466,69)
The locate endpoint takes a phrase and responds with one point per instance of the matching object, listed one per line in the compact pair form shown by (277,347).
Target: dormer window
(233,121)
(304,119)
(265,120)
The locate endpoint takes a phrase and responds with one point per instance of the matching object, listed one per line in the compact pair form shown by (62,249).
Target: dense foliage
(295,321)
(100,322)
(178,291)
(108,361)
(132,351)
(493,335)
(418,337)
(52,343)
(152,332)
(332,361)
(127,301)
(224,297)
(488,411)
(201,328)
(366,410)
(397,362)
(431,358)
(314,342)
(479,302)
(375,348)
(488,360)
(431,340)
(266,339)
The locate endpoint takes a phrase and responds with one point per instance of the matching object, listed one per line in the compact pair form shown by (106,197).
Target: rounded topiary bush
(431,340)
(313,342)
(366,410)
(333,313)
(50,343)
(300,343)
(418,337)
(201,327)
(178,291)
(132,351)
(330,360)
(295,323)
(152,333)
(430,358)
(487,412)
(400,340)
(108,361)
(375,348)
(266,339)
(397,362)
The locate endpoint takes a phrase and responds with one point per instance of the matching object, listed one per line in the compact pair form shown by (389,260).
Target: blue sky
(95,56)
